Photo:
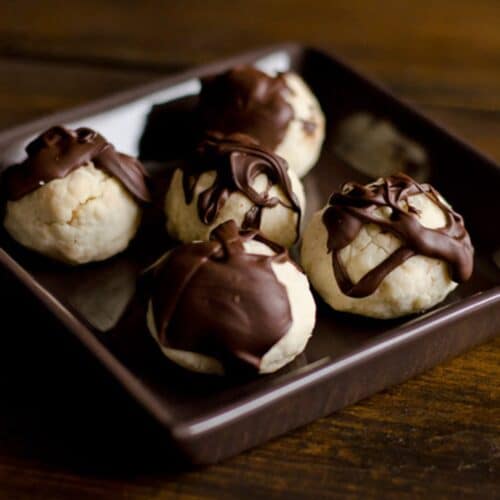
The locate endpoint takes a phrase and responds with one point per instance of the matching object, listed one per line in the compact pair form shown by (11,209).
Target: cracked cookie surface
(85,216)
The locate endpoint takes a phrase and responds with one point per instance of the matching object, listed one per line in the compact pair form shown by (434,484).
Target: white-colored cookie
(303,311)
(300,147)
(278,224)
(85,216)
(417,284)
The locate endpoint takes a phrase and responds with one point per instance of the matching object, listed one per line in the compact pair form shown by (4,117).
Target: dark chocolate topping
(355,206)
(59,151)
(213,298)
(237,161)
(248,101)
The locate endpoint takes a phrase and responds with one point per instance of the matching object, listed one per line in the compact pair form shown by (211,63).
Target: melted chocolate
(355,206)
(248,101)
(213,298)
(59,151)
(237,161)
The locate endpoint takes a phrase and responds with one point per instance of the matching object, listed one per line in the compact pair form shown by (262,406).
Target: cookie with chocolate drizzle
(74,198)
(223,169)
(402,227)
(229,299)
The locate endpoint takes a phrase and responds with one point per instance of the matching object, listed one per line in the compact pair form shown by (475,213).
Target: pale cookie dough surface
(300,148)
(303,309)
(278,223)
(86,216)
(417,284)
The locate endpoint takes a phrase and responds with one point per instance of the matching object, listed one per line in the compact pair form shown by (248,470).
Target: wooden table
(68,431)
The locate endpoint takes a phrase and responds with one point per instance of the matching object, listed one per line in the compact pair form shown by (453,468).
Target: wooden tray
(348,357)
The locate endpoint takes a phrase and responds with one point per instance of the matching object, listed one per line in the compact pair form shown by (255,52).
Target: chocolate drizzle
(249,101)
(237,161)
(356,205)
(59,151)
(214,298)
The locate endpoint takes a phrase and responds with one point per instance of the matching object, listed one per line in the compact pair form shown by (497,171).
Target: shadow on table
(61,409)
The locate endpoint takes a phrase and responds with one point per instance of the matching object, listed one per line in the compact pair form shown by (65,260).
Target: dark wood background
(68,431)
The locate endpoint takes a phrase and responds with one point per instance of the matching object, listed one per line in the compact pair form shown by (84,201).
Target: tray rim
(387,341)
(297,382)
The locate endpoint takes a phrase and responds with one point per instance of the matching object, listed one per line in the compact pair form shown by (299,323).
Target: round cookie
(387,249)
(231,178)
(280,112)
(236,298)
(74,198)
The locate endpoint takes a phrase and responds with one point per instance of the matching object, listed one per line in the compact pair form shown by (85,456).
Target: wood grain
(446,49)
(68,431)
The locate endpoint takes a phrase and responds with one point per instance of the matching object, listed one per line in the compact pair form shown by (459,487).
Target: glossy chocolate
(59,151)
(237,161)
(214,298)
(248,101)
(356,205)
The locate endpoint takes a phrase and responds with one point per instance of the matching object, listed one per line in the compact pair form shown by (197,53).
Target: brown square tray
(348,357)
